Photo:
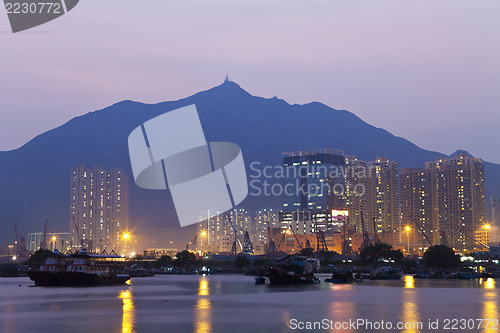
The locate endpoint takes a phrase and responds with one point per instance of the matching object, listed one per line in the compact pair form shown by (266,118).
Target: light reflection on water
(409,281)
(410,312)
(342,310)
(490,306)
(203,308)
(128,319)
(229,303)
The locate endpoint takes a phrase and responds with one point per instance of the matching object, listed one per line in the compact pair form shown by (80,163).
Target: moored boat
(81,269)
(260,280)
(385,273)
(293,270)
(341,278)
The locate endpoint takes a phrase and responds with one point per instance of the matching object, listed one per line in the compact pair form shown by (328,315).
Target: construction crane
(272,245)
(421,230)
(296,238)
(376,239)
(247,244)
(17,236)
(43,244)
(236,239)
(320,237)
(21,244)
(366,238)
(283,236)
(444,238)
(346,248)
(192,243)
(80,243)
(466,235)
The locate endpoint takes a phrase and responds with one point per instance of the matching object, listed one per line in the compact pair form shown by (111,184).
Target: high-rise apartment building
(356,193)
(373,196)
(417,207)
(459,202)
(214,229)
(264,218)
(99,208)
(383,197)
(314,185)
(495,211)
(210,230)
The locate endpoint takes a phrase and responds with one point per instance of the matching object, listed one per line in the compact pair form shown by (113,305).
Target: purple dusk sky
(426,70)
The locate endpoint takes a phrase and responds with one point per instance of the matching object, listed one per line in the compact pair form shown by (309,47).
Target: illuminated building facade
(459,201)
(356,193)
(264,218)
(417,209)
(215,229)
(495,211)
(383,197)
(315,185)
(99,208)
(54,240)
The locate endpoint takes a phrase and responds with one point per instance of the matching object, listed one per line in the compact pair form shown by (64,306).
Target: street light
(408,228)
(125,236)
(8,250)
(203,233)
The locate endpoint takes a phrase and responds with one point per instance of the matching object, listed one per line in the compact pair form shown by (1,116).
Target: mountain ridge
(35,178)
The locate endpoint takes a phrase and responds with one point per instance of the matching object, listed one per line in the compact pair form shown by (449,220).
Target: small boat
(421,275)
(387,274)
(12,270)
(81,269)
(358,277)
(139,273)
(341,278)
(260,280)
(293,269)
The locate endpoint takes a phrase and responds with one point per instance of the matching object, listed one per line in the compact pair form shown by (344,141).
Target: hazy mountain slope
(35,179)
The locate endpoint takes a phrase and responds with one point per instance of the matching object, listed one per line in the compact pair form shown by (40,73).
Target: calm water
(233,303)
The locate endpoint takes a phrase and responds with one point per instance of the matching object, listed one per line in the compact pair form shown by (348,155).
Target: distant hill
(35,179)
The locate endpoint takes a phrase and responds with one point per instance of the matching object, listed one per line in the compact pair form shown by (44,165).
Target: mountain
(35,178)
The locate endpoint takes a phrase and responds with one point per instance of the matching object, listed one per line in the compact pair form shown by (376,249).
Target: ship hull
(282,277)
(56,279)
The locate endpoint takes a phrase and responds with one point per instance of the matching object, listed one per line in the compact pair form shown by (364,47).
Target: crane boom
(236,239)
(17,236)
(43,244)
(422,231)
(475,240)
(366,238)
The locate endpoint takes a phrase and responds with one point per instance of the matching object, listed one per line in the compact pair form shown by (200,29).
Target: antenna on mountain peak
(227,79)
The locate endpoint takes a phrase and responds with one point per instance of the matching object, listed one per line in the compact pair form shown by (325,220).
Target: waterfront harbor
(229,303)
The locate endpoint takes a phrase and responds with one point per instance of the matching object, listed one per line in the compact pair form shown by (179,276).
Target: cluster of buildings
(342,203)
(329,202)
(99,206)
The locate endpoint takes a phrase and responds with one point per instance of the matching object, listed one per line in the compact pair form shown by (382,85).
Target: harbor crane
(470,237)
(21,244)
(236,239)
(43,244)
(421,230)
(366,238)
